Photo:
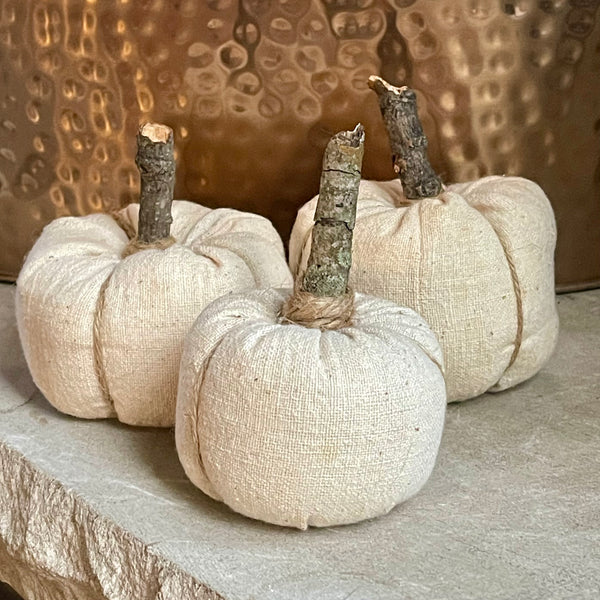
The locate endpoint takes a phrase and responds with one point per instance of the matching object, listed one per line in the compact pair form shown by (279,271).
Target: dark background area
(7,593)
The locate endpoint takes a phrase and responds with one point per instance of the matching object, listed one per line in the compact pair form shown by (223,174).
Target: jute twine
(519,300)
(319,312)
(132,247)
(135,245)
(97,344)
(124,223)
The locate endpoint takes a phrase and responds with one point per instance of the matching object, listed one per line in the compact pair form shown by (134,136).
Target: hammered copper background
(254,88)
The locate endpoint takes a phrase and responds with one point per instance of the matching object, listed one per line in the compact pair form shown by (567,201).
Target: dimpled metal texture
(253,89)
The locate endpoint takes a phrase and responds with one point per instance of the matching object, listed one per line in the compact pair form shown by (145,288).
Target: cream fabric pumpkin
(102,334)
(477,263)
(302,427)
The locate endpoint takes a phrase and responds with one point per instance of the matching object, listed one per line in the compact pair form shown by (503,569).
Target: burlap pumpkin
(476,259)
(476,263)
(318,406)
(297,426)
(103,334)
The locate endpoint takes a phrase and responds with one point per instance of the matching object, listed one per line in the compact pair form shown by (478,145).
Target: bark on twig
(156,163)
(331,251)
(408,142)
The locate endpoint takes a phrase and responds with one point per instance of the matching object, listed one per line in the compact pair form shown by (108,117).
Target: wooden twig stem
(321,298)
(408,141)
(331,251)
(156,164)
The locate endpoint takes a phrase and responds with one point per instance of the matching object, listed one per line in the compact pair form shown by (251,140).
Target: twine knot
(319,312)
(135,245)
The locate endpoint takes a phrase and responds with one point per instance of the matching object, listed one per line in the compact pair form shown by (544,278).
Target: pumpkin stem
(408,141)
(330,257)
(321,298)
(156,164)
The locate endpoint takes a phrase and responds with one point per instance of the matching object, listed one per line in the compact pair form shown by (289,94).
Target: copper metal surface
(253,89)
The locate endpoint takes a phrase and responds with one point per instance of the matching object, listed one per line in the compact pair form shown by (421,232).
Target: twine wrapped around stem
(319,312)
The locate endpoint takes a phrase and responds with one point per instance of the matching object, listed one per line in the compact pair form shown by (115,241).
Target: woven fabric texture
(477,263)
(302,427)
(103,334)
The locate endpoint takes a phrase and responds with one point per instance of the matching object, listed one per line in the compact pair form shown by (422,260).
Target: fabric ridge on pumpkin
(302,427)
(477,263)
(125,362)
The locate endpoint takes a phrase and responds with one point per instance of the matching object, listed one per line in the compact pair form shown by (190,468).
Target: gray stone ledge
(101,510)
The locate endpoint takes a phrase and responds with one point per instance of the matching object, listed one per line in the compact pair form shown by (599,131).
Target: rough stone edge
(93,564)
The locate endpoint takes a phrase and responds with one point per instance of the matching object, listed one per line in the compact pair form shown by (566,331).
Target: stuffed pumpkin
(104,302)
(317,406)
(475,259)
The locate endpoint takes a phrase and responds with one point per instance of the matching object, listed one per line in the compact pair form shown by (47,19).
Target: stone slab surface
(102,510)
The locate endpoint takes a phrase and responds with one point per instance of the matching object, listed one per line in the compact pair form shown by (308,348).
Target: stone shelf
(92,510)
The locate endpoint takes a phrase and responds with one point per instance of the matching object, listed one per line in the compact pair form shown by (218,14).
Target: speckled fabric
(302,427)
(477,263)
(103,334)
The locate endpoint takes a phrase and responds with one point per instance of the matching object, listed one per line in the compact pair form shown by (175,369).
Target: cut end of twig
(353,138)
(380,86)
(408,141)
(343,153)
(156,132)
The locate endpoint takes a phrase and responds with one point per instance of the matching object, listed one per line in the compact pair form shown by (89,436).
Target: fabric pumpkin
(477,263)
(302,427)
(315,406)
(103,334)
